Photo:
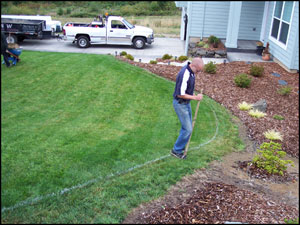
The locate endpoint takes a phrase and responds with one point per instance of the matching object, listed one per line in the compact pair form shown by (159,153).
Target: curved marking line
(65,190)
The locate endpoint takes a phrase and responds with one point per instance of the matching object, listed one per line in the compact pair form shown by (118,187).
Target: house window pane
(275,28)
(284,32)
(288,7)
(278,9)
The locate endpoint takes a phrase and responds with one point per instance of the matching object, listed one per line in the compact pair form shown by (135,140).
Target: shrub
(245,106)
(242,80)
(269,158)
(166,56)
(284,90)
(292,221)
(200,43)
(60,12)
(182,58)
(273,135)
(206,46)
(256,113)
(123,53)
(278,117)
(130,57)
(256,71)
(210,67)
(213,39)
(153,62)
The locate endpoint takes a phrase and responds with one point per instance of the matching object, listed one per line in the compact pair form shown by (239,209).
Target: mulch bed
(262,174)
(222,89)
(218,202)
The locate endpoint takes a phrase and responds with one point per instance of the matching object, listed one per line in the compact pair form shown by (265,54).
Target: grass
(67,119)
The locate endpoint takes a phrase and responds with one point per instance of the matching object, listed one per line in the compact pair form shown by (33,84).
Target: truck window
(117,24)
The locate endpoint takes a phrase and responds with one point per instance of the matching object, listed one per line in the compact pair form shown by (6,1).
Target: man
(184,92)
(3,49)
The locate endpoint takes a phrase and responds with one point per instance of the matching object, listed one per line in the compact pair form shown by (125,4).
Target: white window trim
(277,42)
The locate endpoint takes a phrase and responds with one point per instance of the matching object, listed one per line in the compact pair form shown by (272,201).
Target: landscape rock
(260,105)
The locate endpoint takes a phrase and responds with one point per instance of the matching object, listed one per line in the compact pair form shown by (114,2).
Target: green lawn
(81,122)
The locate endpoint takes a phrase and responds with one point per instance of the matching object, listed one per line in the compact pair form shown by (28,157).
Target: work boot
(178,155)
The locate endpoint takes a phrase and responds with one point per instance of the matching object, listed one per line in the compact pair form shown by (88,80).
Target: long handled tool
(194,120)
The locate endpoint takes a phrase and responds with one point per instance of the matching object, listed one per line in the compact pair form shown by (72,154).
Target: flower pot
(266,57)
(259,50)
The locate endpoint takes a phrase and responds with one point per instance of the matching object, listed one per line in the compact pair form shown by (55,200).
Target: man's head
(197,65)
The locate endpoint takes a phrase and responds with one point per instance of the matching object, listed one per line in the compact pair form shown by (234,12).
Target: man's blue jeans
(184,113)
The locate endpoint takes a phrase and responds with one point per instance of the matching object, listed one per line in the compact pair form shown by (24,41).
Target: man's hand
(198,97)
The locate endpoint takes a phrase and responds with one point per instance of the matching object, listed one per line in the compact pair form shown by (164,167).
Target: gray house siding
(251,17)
(289,55)
(208,18)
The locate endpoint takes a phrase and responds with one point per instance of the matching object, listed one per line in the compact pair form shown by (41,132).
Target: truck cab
(113,30)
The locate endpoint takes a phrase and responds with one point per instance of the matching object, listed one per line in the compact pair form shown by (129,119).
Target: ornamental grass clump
(256,71)
(210,68)
(256,113)
(123,53)
(273,135)
(242,80)
(244,106)
(269,158)
(278,117)
(182,58)
(153,62)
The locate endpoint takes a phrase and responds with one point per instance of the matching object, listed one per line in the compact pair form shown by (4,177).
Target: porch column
(233,24)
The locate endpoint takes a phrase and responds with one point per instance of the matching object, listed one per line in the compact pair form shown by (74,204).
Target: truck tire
(83,42)
(12,39)
(139,42)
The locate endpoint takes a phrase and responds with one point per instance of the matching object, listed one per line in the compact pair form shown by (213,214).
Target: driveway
(160,46)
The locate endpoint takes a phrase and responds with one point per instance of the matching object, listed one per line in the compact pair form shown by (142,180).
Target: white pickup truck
(112,30)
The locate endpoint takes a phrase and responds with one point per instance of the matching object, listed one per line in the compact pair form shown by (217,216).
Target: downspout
(203,19)
(186,48)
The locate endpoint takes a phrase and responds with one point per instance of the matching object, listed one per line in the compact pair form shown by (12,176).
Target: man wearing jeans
(184,92)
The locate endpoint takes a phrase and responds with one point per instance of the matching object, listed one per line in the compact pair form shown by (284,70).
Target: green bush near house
(242,80)
(182,58)
(200,44)
(257,71)
(167,56)
(210,68)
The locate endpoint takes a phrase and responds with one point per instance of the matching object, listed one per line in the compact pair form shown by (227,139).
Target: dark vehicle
(16,30)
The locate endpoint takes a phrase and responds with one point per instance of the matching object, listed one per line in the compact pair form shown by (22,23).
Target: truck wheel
(139,42)
(83,42)
(11,39)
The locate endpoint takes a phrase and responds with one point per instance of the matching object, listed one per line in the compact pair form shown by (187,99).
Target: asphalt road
(160,46)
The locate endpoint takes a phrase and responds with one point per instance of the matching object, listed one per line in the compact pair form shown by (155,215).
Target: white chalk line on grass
(65,190)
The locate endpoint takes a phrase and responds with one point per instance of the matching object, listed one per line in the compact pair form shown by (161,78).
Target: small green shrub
(213,39)
(130,57)
(210,68)
(278,117)
(182,58)
(123,53)
(256,71)
(206,46)
(200,44)
(242,80)
(270,160)
(153,62)
(166,56)
(284,90)
(60,11)
(292,221)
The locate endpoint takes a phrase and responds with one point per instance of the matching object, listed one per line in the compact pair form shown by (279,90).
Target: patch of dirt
(225,191)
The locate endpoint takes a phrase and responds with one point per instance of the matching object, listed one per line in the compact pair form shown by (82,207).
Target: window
(281,22)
